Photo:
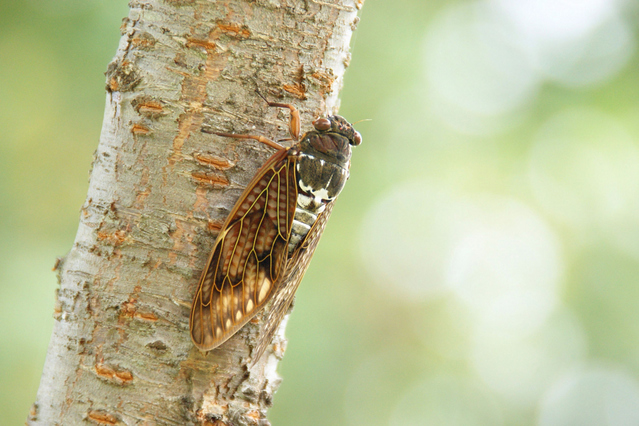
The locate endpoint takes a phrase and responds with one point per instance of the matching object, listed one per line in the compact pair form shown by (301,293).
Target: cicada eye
(322,124)
(357,139)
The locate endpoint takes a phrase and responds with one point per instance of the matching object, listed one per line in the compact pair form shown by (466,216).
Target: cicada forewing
(249,258)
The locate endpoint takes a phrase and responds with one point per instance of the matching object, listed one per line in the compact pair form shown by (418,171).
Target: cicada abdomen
(266,243)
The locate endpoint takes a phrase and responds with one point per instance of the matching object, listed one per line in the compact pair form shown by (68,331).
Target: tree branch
(160,189)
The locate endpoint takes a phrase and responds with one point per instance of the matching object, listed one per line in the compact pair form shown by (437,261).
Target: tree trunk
(160,190)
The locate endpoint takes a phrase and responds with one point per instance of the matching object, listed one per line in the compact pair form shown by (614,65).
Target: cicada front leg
(294,123)
(294,127)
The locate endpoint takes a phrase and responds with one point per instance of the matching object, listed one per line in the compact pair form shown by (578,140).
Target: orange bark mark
(102,417)
(146,316)
(57,308)
(326,81)
(254,415)
(113,85)
(129,308)
(298,90)
(206,44)
(214,226)
(109,373)
(150,107)
(143,40)
(215,162)
(116,238)
(33,411)
(210,178)
(58,263)
(234,30)
(139,129)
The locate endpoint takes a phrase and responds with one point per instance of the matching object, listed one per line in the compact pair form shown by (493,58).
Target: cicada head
(338,125)
(333,137)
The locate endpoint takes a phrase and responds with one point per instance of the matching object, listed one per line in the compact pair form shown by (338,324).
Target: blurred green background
(481,267)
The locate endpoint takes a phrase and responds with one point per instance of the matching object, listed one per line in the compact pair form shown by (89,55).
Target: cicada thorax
(323,161)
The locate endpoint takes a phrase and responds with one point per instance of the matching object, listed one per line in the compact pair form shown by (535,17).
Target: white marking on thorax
(309,156)
(312,205)
(318,194)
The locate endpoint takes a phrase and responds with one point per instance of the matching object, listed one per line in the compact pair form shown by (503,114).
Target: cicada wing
(295,269)
(248,259)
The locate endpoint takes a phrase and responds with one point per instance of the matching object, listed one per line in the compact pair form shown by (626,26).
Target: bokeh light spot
(520,367)
(449,401)
(507,267)
(599,396)
(584,170)
(407,237)
(572,45)
(475,67)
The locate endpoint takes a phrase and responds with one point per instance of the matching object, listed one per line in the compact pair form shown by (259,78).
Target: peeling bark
(160,189)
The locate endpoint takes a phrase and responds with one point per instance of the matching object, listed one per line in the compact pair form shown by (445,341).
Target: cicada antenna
(363,119)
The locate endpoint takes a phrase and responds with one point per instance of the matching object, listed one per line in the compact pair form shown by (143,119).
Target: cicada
(266,243)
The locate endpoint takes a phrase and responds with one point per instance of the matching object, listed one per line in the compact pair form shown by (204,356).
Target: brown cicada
(266,243)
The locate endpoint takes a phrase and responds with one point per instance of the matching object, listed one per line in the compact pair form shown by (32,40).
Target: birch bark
(160,189)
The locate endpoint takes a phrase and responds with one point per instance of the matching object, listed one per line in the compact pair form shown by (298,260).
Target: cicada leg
(262,139)
(295,123)
(294,127)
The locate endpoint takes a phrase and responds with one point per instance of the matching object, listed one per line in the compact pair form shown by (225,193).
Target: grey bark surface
(160,189)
